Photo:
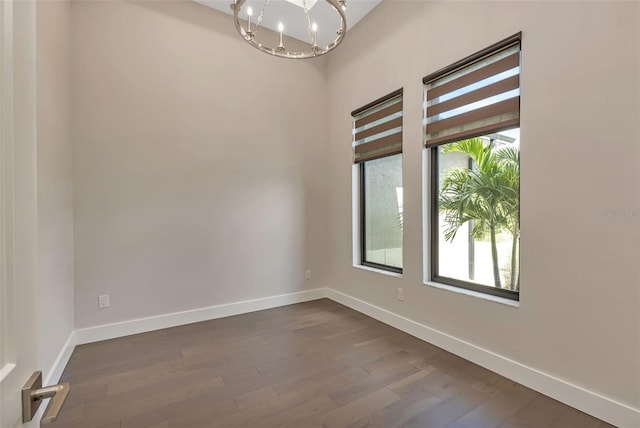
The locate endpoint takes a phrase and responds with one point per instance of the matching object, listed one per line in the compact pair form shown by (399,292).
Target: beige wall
(207,173)
(199,174)
(579,311)
(55,188)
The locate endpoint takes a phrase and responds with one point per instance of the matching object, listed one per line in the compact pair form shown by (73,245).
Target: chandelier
(256,35)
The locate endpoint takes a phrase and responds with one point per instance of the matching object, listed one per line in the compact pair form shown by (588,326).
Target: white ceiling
(293,18)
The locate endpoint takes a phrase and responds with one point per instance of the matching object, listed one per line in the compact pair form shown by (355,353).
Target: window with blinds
(377,128)
(472,132)
(476,96)
(377,147)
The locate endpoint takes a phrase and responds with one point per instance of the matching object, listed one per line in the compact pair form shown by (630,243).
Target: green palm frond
(488,195)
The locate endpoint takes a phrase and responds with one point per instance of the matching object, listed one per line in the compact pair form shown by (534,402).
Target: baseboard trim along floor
(143,325)
(582,399)
(52,376)
(575,396)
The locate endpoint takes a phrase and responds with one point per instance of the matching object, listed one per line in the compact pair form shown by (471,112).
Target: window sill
(382,271)
(484,296)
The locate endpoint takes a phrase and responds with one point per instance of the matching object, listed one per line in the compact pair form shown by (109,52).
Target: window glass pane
(382,187)
(479,210)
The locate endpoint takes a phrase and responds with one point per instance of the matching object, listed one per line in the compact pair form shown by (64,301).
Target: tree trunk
(514,265)
(494,256)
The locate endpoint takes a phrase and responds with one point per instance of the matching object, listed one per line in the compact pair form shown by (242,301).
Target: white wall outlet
(307,274)
(400,293)
(103,301)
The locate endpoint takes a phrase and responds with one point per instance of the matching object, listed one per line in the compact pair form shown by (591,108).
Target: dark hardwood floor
(315,364)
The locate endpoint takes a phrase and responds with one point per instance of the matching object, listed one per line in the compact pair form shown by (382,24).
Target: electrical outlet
(400,293)
(307,274)
(103,301)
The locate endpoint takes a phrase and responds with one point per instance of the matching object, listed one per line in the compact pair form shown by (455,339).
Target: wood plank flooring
(315,364)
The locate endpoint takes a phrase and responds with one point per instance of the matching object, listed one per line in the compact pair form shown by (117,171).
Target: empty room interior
(319,213)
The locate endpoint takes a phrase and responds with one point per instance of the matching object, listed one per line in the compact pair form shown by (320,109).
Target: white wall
(55,187)
(199,174)
(578,316)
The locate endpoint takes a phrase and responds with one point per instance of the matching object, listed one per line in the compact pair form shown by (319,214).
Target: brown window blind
(475,96)
(377,128)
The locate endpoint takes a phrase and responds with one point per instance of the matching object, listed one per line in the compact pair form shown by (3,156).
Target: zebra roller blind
(377,128)
(475,96)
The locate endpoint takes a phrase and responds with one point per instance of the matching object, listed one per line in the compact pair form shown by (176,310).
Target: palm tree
(488,195)
(509,158)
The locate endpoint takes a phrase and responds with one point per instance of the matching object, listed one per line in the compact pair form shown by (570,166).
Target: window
(377,142)
(472,131)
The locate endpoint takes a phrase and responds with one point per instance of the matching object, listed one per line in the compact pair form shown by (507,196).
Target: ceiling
(293,18)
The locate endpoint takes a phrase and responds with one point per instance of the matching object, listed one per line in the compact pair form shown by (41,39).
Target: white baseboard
(590,402)
(143,325)
(582,399)
(52,376)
